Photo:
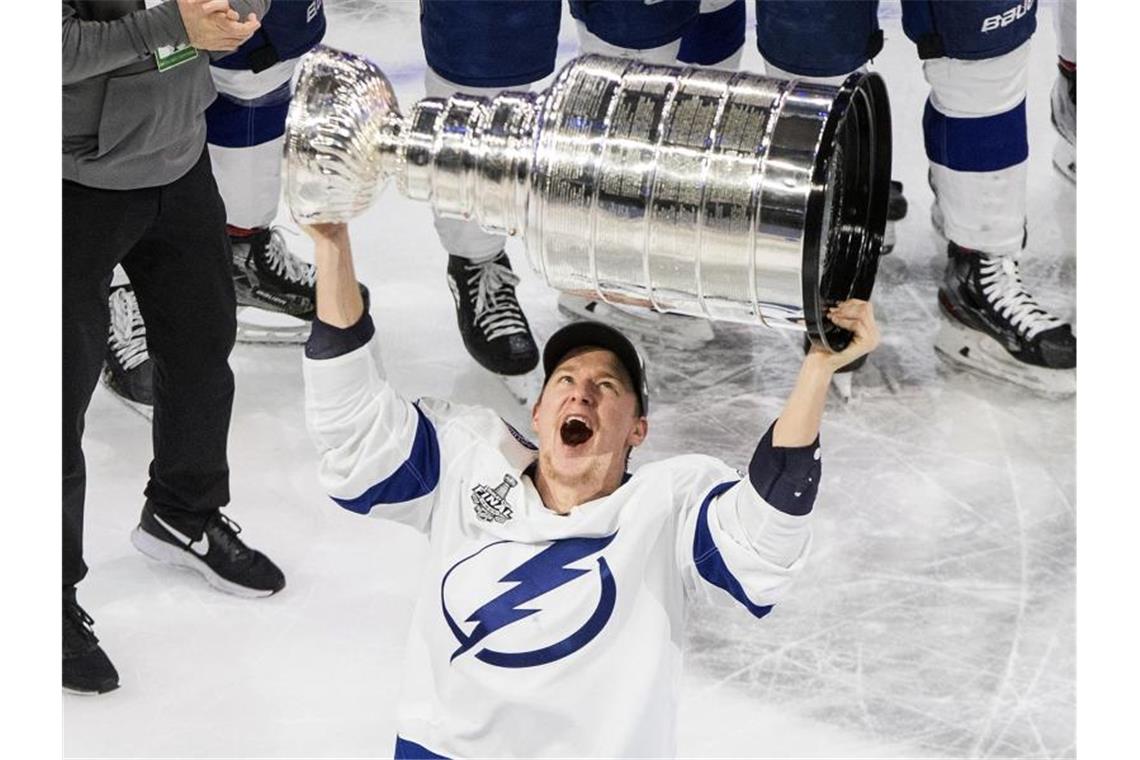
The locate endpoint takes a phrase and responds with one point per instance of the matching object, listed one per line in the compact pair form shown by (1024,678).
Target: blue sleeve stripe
(230,124)
(710,564)
(983,144)
(406,750)
(416,477)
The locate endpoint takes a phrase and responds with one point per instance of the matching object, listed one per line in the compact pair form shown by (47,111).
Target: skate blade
(982,355)
(889,239)
(1065,160)
(674,330)
(841,384)
(525,388)
(261,327)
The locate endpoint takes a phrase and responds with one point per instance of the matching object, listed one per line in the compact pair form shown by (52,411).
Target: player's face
(587,416)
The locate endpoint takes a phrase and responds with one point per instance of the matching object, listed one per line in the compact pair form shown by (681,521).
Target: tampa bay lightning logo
(569,594)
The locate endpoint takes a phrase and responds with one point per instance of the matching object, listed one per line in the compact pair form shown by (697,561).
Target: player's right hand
(214,25)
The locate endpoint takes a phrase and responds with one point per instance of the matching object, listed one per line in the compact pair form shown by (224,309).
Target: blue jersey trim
(709,562)
(412,751)
(983,144)
(416,477)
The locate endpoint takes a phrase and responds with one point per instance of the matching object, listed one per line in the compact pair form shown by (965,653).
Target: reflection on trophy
(718,194)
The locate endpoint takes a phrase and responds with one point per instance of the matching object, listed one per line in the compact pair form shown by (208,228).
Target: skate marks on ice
(937,610)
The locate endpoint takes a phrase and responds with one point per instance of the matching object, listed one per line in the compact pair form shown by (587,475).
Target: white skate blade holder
(676,330)
(979,353)
(263,327)
(524,388)
(146,411)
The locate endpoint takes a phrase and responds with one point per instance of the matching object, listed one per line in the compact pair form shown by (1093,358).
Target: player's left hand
(858,317)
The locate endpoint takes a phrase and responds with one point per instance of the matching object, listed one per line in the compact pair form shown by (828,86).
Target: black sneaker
(213,549)
(992,325)
(896,212)
(491,321)
(86,667)
(128,369)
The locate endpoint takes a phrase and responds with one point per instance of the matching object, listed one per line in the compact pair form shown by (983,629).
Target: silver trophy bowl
(717,194)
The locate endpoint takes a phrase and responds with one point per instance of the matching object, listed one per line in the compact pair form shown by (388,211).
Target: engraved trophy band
(717,194)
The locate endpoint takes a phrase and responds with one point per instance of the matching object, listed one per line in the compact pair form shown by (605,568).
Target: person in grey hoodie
(138,190)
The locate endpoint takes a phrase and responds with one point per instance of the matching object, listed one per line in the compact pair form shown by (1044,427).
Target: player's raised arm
(798,424)
(379,452)
(751,537)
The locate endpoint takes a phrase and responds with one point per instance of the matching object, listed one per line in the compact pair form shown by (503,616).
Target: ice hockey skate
(992,326)
(128,371)
(1063,111)
(275,289)
(675,330)
(896,212)
(491,321)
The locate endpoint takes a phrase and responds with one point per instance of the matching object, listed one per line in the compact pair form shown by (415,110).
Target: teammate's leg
(482,48)
(246,133)
(1063,102)
(716,37)
(976,62)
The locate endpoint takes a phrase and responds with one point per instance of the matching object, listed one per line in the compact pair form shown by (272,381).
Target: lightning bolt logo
(544,572)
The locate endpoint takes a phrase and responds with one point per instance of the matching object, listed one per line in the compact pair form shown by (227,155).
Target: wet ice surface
(934,619)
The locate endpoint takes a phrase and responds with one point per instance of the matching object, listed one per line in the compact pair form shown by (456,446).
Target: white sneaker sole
(161,551)
(979,353)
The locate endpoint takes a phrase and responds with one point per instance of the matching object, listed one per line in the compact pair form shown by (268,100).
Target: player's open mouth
(575,430)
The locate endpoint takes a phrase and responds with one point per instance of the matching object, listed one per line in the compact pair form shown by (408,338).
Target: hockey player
(245,133)
(1063,103)
(975,58)
(550,618)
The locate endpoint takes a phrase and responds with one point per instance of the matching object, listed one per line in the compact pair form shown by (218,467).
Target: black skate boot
(896,212)
(992,326)
(1063,108)
(269,277)
(128,370)
(209,546)
(86,667)
(491,321)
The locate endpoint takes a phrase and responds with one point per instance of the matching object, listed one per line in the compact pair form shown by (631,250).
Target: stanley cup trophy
(717,194)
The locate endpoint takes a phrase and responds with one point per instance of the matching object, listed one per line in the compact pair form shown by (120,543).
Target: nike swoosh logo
(199,547)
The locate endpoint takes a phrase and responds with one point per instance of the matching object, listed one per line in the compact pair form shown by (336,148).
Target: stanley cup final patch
(491,503)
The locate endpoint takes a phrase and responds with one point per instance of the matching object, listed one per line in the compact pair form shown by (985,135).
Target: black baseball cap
(579,334)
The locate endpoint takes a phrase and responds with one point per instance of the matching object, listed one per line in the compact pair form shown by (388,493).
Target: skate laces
(128,333)
(497,310)
(1001,284)
(285,264)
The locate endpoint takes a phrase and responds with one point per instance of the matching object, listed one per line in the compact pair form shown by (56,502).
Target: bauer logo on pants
(517,605)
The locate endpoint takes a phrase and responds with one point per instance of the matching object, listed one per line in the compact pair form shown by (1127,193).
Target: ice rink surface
(935,618)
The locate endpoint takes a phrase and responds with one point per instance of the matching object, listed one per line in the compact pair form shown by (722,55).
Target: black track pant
(172,242)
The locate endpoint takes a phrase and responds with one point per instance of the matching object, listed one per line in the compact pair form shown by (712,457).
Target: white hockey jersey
(537,634)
